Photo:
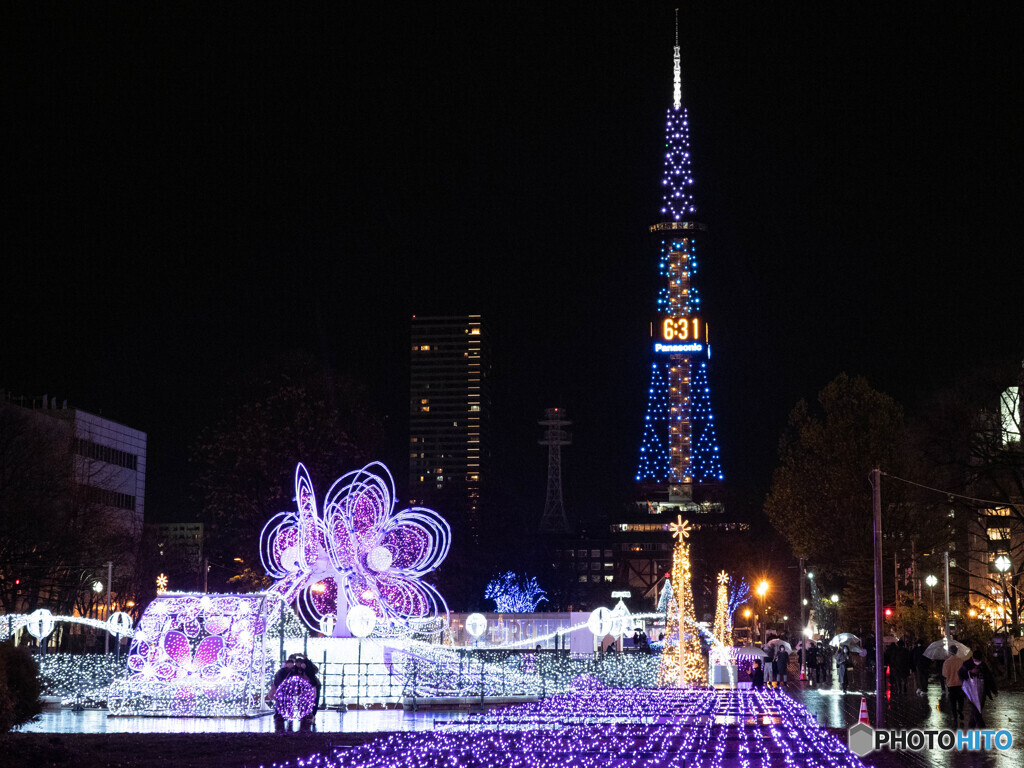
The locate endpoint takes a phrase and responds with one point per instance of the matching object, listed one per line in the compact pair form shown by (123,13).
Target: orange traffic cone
(864,711)
(803,673)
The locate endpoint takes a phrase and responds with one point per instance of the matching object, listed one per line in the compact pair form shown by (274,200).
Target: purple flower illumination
(357,551)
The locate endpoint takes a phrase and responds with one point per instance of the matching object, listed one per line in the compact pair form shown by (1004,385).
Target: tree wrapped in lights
(681,661)
(739,593)
(514,593)
(723,626)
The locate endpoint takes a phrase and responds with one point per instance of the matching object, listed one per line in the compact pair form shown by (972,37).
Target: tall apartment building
(449,417)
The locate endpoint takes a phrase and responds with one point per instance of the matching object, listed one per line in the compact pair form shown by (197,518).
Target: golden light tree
(682,662)
(722,654)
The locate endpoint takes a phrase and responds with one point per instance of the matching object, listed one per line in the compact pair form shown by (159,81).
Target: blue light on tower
(679,444)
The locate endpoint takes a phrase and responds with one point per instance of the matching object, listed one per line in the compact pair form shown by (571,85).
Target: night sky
(191,190)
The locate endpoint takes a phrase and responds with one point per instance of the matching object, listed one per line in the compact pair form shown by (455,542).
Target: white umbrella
(938,650)
(749,652)
(778,643)
(845,638)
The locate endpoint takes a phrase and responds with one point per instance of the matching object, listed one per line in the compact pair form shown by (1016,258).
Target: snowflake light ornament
(356,551)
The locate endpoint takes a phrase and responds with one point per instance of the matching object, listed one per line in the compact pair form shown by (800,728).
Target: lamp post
(1003,564)
(931,581)
(762,591)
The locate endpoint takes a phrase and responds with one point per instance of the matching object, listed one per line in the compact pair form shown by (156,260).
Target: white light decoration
(1003,563)
(357,551)
(40,624)
(360,620)
(198,655)
(476,623)
(604,621)
(327,624)
(12,622)
(120,624)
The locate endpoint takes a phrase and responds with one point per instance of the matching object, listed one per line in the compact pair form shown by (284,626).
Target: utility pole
(803,620)
(110,584)
(945,624)
(876,509)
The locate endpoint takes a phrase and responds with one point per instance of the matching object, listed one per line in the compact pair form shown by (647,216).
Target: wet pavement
(353,721)
(834,709)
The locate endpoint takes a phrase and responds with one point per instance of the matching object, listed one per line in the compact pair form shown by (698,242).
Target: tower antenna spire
(677,78)
(554,519)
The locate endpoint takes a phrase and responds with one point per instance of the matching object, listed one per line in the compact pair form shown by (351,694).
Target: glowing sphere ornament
(120,624)
(327,624)
(294,698)
(360,620)
(476,623)
(40,624)
(604,621)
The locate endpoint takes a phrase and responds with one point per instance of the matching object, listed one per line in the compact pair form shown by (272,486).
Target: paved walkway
(834,709)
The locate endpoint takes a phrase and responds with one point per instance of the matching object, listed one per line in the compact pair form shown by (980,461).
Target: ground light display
(593,725)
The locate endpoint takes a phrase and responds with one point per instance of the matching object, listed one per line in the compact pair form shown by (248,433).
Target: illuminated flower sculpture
(356,551)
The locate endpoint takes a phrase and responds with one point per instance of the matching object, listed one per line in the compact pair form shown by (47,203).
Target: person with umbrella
(811,661)
(954,685)
(824,663)
(922,666)
(978,683)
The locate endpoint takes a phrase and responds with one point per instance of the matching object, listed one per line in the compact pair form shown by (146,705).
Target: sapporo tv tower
(679,462)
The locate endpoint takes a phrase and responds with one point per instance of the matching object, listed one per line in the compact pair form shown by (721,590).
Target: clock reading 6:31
(681,329)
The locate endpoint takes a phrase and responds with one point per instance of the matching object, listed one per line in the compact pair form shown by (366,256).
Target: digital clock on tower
(677,329)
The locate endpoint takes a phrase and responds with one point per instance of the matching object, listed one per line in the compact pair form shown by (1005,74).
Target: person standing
(842,658)
(811,661)
(954,685)
(757,675)
(769,668)
(824,663)
(782,666)
(978,683)
(922,666)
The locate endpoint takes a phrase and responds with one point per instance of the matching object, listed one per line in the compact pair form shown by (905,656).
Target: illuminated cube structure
(196,655)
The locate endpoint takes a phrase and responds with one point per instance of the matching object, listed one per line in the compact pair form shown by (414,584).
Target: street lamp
(762,591)
(1003,565)
(931,581)
(834,597)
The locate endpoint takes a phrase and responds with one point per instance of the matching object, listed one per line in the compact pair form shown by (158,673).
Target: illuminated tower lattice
(679,446)
(682,662)
(554,520)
